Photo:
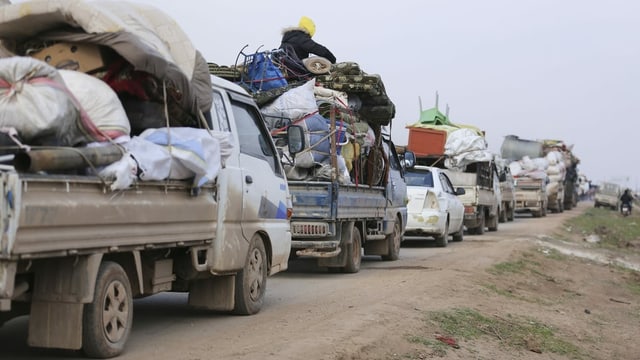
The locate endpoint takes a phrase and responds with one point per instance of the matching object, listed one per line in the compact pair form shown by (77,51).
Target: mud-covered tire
(511,214)
(443,240)
(492,225)
(107,319)
(459,236)
(251,281)
(481,225)
(393,242)
(354,252)
(503,215)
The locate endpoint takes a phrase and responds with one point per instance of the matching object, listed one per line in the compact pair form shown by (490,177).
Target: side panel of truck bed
(66,216)
(313,200)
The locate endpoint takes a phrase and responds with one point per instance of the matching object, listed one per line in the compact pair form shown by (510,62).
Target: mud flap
(345,240)
(216,293)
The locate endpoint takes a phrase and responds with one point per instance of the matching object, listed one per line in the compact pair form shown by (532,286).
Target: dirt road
(382,312)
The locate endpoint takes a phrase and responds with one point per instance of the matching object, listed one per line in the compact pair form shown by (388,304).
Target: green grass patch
(614,230)
(514,332)
(508,267)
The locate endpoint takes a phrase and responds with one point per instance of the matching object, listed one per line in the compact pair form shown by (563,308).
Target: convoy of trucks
(305,170)
(538,164)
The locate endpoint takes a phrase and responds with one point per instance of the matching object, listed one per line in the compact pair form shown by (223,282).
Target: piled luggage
(79,73)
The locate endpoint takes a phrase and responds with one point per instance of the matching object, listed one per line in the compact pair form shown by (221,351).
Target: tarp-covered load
(83,75)
(143,52)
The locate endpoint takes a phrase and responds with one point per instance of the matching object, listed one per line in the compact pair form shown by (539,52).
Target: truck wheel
(493,223)
(459,236)
(251,281)
(354,252)
(393,242)
(503,214)
(107,319)
(442,240)
(481,225)
(511,216)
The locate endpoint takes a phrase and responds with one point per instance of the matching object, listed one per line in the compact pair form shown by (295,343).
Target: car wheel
(459,236)
(442,240)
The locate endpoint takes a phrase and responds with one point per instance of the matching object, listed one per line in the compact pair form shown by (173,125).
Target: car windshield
(422,178)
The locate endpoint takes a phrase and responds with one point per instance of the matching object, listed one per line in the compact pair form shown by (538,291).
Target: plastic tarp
(146,37)
(465,146)
(171,153)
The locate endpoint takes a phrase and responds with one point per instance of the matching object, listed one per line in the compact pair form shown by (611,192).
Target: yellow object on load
(349,152)
(307,24)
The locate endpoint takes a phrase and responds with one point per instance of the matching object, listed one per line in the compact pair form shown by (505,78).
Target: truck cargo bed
(45,214)
(314,200)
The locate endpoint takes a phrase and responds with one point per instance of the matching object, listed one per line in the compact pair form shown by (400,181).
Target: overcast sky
(539,69)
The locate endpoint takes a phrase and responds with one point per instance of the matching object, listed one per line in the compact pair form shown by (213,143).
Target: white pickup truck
(74,254)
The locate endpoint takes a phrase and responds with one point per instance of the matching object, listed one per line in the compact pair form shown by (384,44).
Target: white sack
(294,103)
(516,168)
(192,152)
(107,118)
(35,101)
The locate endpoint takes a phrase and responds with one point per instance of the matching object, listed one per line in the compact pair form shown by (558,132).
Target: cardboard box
(72,56)
(426,141)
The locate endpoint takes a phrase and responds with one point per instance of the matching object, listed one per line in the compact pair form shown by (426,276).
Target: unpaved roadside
(383,312)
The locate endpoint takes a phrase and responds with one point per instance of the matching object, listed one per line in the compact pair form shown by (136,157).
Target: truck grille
(309,229)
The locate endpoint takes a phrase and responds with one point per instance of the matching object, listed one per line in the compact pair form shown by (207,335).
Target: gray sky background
(539,69)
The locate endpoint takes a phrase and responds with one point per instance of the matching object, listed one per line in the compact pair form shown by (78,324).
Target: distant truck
(531,195)
(481,198)
(551,157)
(608,195)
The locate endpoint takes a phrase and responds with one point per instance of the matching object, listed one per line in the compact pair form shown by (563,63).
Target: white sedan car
(434,209)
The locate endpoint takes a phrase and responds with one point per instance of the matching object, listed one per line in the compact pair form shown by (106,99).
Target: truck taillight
(289,213)
(469,209)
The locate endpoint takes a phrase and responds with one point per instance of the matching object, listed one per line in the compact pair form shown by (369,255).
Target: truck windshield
(422,178)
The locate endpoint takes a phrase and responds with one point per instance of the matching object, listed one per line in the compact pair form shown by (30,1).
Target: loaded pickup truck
(482,197)
(74,254)
(332,222)
(608,195)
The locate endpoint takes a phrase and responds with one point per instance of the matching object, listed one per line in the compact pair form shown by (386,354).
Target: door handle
(248,179)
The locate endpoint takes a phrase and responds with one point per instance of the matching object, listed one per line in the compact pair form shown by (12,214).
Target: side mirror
(460,191)
(295,139)
(408,159)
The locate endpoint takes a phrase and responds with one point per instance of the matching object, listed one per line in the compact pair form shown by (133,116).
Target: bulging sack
(35,101)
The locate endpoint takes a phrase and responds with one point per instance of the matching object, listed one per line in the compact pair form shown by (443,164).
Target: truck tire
(443,240)
(503,214)
(354,252)
(393,242)
(480,228)
(492,225)
(459,236)
(251,281)
(106,321)
(511,213)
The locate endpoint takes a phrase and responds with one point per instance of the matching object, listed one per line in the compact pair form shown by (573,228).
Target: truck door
(265,198)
